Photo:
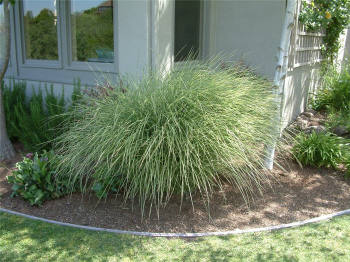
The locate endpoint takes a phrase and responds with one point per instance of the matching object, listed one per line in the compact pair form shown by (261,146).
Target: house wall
(144,39)
(251,29)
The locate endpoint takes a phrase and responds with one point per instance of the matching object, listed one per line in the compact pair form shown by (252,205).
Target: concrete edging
(150,234)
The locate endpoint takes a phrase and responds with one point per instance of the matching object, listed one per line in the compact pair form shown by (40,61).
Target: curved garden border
(150,234)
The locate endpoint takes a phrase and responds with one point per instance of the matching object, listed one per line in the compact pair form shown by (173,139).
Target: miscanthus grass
(185,132)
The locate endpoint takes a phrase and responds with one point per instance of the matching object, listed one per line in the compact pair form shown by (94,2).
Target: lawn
(22,239)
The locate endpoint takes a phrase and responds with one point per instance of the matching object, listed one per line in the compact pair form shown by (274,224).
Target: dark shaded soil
(294,195)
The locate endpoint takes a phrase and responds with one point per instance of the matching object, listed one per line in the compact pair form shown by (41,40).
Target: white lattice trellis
(306,46)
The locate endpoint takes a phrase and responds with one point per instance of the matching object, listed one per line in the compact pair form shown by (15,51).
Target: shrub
(14,96)
(336,119)
(336,92)
(182,132)
(38,121)
(347,165)
(35,180)
(320,149)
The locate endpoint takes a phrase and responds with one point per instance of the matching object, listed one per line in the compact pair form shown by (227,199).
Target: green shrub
(347,165)
(336,91)
(336,118)
(35,180)
(38,121)
(35,128)
(14,96)
(320,149)
(182,132)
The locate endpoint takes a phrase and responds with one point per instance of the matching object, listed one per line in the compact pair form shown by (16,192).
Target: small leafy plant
(103,186)
(35,180)
(320,150)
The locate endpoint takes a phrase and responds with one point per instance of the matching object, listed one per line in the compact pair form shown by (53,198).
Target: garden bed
(295,194)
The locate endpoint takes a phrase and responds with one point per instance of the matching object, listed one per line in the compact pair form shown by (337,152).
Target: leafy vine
(333,16)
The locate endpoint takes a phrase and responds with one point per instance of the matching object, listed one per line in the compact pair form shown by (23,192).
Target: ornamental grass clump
(188,131)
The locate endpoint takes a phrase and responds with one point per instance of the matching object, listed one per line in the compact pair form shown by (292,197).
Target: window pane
(2,36)
(92,31)
(40,29)
(187,29)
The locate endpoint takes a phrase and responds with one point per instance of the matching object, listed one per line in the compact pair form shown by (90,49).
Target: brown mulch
(295,194)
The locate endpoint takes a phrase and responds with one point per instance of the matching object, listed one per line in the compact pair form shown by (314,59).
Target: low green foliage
(335,94)
(22,239)
(106,184)
(178,133)
(36,122)
(321,150)
(339,98)
(337,119)
(14,96)
(35,129)
(35,180)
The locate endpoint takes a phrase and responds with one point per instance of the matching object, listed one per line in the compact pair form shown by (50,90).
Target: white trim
(311,34)
(308,63)
(300,49)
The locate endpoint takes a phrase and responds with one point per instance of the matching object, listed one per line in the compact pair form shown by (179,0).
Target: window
(187,29)
(2,36)
(40,29)
(92,31)
(72,31)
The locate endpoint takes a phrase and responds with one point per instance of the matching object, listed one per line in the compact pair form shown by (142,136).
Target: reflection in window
(2,36)
(92,31)
(187,29)
(40,29)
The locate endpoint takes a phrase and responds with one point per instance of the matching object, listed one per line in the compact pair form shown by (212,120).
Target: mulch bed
(295,194)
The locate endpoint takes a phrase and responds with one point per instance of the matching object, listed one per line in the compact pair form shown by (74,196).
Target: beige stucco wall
(251,29)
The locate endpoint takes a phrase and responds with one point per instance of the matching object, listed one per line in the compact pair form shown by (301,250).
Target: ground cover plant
(326,149)
(35,178)
(181,133)
(29,240)
(321,149)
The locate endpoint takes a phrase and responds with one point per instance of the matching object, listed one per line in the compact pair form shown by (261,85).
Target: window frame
(79,65)
(37,63)
(65,61)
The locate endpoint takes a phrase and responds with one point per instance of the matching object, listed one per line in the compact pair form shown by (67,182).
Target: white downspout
(280,76)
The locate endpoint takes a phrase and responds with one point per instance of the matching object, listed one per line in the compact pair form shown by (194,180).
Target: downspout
(280,77)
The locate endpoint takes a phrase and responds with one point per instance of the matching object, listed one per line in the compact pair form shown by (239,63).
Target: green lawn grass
(22,239)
